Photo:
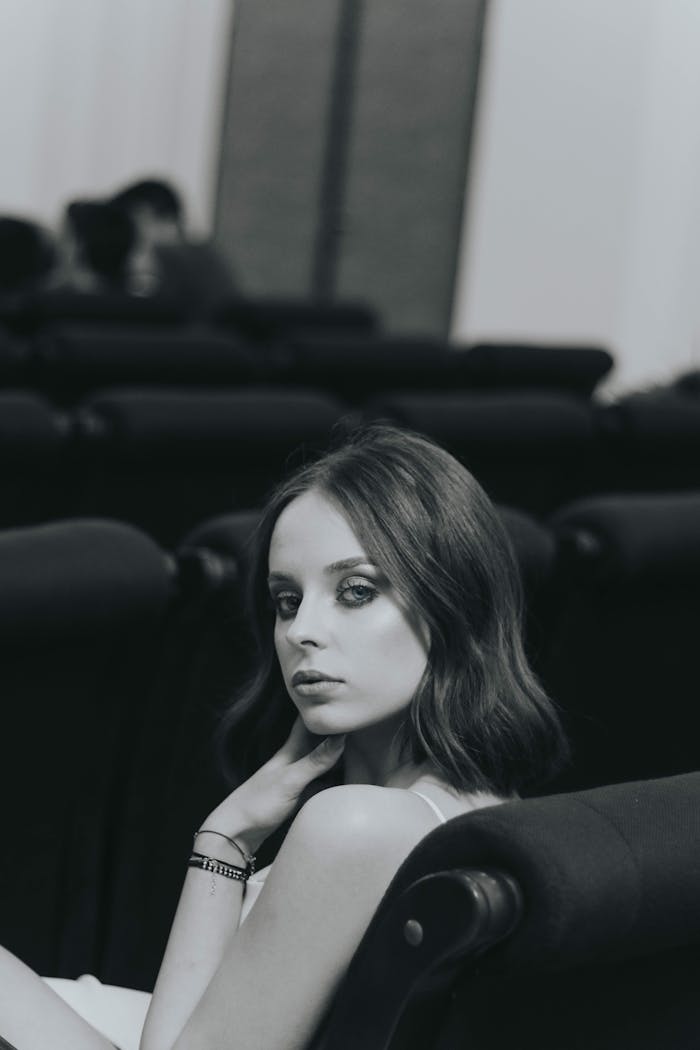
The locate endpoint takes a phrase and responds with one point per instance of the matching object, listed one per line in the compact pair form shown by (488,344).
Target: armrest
(418,940)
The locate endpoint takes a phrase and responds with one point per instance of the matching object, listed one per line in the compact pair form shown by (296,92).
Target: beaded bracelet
(247,857)
(218,867)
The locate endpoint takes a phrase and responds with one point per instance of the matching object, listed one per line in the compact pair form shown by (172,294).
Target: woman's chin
(321,723)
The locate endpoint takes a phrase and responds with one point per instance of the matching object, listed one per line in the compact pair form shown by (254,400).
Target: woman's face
(350,655)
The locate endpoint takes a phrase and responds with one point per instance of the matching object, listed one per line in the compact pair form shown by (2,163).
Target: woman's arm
(207,917)
(208,913)
(279,973)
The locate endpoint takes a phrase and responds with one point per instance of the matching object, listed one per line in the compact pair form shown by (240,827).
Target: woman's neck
(372,756)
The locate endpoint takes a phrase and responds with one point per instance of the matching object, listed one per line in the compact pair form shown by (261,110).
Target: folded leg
(34,1017)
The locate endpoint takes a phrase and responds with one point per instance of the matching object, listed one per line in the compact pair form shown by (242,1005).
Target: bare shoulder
(363,819)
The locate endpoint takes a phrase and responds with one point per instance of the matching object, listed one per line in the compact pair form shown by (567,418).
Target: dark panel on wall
(273,141)
(345,149)
(413,109)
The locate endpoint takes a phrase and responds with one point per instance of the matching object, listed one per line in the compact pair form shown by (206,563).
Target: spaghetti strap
(433,805)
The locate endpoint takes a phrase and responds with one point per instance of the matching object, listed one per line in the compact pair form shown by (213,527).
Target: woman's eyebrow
(347,563)
(275,577)
(336,566)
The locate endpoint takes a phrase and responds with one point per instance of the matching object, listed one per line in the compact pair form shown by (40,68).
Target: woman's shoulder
(360,816)
(371,804)
(349,835)
(364,818)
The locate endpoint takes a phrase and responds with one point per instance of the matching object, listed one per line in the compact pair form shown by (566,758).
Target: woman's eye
(356,592)
(286,604)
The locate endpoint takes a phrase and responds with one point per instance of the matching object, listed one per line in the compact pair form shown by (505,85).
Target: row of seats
(164,458)
(259,318)
(117,657)
(66,361)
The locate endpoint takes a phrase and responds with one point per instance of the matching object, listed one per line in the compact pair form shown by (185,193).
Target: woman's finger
(322,758)
(298,743)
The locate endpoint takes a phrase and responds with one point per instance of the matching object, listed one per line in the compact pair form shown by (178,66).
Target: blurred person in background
(27,255)
(96,245)
(164,260)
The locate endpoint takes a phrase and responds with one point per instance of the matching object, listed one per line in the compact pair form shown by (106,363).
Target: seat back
(357,366)
(650,442)
(81,607)
(165,459)
(515,366)
(604,951)
(175,777)
(270,318)
(620,656)
(75,359)
(34,459)
(529,449)
(44,307)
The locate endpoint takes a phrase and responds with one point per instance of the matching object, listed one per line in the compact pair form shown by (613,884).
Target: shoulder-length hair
(479,715)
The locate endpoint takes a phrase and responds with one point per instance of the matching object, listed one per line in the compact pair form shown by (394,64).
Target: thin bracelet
(217,867)
(247,857)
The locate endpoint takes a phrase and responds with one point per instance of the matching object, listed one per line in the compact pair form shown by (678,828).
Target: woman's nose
(307,627)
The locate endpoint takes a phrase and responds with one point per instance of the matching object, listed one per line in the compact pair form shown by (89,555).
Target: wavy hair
(479,714)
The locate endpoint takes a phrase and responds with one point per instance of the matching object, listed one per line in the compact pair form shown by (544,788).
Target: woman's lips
(311,676)
(314,683)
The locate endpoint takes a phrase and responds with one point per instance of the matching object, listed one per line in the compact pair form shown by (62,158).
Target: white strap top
(433,805)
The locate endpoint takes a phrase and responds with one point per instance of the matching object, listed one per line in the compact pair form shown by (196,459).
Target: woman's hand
(256,808)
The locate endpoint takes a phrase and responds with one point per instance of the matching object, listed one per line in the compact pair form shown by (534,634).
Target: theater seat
(568,922)
(650,442)
(530,449)
(357,365)
(81,610)
(41,308)
(266,319)
(573,368)
(14,360)
(34,451)
(621,654)
(165,459)
(73,359)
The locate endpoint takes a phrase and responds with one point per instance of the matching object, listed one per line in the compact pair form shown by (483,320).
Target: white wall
(583,220)
(96,93)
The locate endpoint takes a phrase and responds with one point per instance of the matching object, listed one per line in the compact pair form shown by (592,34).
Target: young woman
(386,606)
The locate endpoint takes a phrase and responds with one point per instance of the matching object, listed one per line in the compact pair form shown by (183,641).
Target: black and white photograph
(350,524)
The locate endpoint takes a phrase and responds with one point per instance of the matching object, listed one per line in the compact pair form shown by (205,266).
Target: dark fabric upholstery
(650,442)
(29,428)
(355,367)
(267,318)
(535,547)
(530,449)
(44,307)
(620,656)
(14,360)
(577,369)
(77,578)
(34,451)
(74,359)
(81,608)
(217,423)
(638,538)
(228,534)
(166,459)
(607,873)
(175,776)
(607,953)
